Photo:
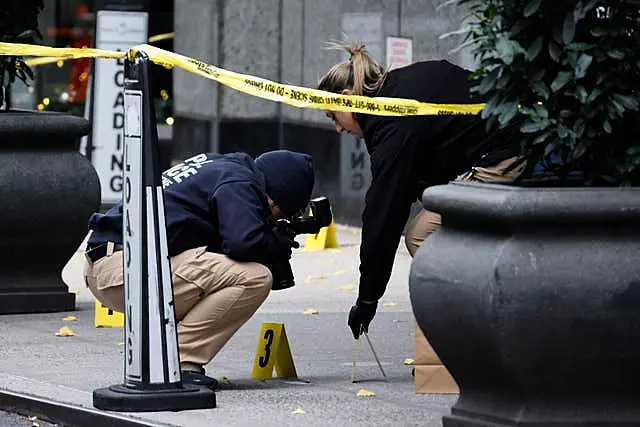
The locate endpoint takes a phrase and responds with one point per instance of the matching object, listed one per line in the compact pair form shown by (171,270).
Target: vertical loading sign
(355,167)
(133,235)
(114,31)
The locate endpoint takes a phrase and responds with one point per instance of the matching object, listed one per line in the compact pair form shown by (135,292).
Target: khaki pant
(426,221)
(213,296)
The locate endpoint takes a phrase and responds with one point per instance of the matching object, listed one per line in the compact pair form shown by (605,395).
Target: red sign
(399,52)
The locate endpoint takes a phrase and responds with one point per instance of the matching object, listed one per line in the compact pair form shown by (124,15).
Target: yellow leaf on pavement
(340,272)
(310,311)
(347,287)
(365,393)
(297,411)
(408,361)
(390,304)
(311,279)
(121,344)
(69,318)
(65,331)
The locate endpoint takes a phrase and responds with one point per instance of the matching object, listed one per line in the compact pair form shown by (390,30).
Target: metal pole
(152,380)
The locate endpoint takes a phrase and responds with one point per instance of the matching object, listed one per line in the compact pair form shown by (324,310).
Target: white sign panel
(114,31)
(168,317)
(133,230)
(399,52)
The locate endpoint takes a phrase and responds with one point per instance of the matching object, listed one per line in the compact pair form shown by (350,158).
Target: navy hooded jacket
(219,201)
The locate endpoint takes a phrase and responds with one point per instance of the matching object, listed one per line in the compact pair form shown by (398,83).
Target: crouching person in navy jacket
(218,214)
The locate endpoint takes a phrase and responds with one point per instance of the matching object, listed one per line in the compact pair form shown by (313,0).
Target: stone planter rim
(510,204)
(42,124)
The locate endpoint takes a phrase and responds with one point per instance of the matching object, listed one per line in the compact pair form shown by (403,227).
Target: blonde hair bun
(361,73)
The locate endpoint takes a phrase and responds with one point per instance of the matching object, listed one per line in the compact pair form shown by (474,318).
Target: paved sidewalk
(67,369)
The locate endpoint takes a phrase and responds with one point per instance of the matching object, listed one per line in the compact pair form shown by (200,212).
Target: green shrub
(568,74)
(18,24)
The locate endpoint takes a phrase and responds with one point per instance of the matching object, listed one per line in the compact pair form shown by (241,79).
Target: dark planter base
(37,301)
(478,411)
(48,192)
(530,297)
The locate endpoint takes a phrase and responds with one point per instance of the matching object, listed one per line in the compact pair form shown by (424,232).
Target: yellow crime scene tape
(160,37)
(49,60)
(288,94)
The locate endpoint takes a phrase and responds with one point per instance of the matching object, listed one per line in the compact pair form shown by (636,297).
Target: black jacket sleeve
(387,206)
(244,234)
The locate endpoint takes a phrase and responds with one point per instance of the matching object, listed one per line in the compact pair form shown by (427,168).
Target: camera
(320,217)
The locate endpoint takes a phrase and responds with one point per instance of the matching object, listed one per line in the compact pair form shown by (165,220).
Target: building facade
(284,40)
(281,40)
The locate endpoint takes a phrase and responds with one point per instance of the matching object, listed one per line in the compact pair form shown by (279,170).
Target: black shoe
(199,379)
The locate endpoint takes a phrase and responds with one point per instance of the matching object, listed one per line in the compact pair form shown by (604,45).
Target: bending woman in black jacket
(409,154)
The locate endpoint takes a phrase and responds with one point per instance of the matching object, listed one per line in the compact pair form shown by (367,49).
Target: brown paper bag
(431,376)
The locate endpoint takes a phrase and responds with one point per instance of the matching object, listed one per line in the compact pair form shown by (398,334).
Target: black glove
(360,316)
(284,242)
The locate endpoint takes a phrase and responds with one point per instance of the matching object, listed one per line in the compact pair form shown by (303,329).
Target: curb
(65,414)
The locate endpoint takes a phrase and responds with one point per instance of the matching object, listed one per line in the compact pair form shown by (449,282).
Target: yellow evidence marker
(325,239)
(107,318)
(273,352)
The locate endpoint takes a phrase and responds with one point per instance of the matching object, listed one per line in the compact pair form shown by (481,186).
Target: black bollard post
(152,380)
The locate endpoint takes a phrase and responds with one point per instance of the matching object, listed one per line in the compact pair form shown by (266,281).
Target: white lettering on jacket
(184,170)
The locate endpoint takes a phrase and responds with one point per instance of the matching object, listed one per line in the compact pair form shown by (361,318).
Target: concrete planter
(47,194)
(531,298)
